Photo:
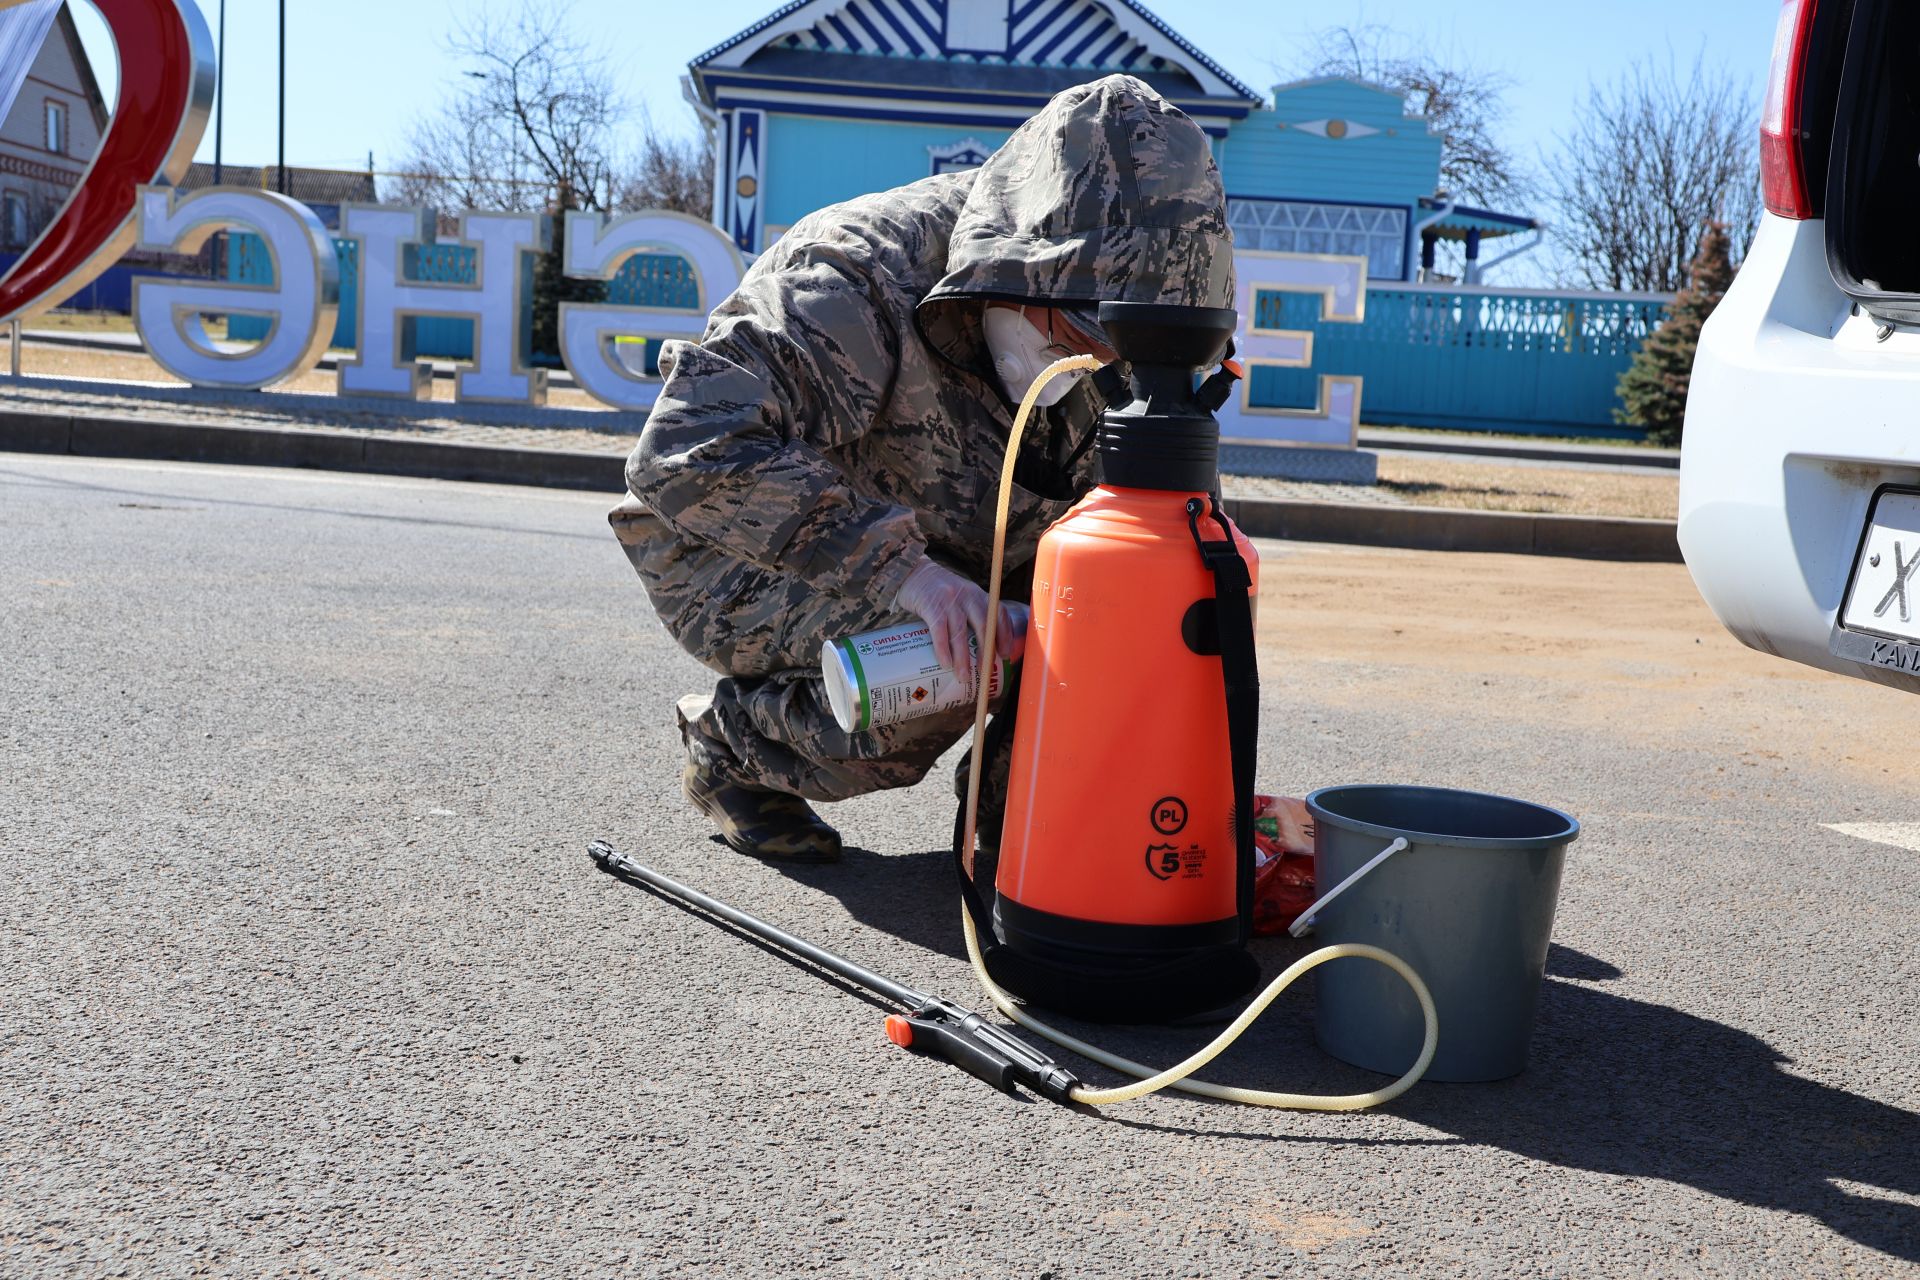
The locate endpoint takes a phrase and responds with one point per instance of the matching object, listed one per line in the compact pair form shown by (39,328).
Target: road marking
(1902,835)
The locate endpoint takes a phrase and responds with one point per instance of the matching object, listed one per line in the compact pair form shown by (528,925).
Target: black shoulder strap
(998,730)
(1240,671)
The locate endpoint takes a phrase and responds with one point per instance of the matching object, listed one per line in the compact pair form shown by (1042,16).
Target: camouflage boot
(766,824)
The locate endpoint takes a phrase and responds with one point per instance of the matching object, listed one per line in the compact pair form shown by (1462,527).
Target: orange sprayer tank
(1120,802)
(1121,867)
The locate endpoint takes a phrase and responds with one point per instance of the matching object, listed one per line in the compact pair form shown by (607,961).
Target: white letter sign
(300,306)
(1341,283)
(494,302)
(596,252)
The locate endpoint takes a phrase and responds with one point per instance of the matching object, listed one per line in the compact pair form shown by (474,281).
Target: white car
(1800,467)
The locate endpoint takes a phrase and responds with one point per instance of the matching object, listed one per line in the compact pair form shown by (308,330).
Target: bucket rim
(1321,813)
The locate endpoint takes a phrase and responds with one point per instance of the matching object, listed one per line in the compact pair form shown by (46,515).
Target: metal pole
(283,97)
(13,346)
(607,856)
(220,99)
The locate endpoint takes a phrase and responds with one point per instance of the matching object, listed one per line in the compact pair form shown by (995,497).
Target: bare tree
(1464,102)
(537,123)
(537,114)
(1654,158)
(669,173)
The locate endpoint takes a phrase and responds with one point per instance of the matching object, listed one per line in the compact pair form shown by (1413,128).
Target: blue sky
(360,70)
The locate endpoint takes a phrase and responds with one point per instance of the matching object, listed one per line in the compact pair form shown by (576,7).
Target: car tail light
(1783,174)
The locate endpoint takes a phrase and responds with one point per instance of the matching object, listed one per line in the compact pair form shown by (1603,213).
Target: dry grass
(1626,650)
(1444,482)
(82,322)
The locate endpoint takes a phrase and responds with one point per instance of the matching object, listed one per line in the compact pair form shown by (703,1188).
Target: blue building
(824,100)
(827,99)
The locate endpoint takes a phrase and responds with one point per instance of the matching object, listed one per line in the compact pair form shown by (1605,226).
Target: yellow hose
(1175,1077)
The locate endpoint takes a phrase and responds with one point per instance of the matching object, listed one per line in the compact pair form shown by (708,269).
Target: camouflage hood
(838,423)
(1108,194)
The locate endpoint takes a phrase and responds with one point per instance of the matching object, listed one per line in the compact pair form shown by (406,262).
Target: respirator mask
(1021,352)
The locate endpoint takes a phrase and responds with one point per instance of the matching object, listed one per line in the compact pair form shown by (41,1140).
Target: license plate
(1885,597)
(1880,618)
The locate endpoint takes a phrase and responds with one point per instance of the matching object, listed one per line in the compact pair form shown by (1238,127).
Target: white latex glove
(953,608)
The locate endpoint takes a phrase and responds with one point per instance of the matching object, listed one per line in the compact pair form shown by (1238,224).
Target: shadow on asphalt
(1565,962)
(912,896)
(1641,1090)
(1616,1085)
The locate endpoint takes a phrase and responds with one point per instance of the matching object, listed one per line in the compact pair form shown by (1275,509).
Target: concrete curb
(92,437)
(1523,450)
(1448,529)
(1367,524)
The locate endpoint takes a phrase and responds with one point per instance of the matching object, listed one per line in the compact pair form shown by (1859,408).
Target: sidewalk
(576,449)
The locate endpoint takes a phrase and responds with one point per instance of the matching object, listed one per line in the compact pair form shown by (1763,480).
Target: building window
(57,127)
(1351,230)
(968,153)
(13,214)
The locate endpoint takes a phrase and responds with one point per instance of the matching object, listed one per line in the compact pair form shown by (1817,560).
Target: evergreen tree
(1653,390)
(552,285)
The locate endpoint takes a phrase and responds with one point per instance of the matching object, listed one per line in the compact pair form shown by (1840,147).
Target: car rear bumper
(1798,411)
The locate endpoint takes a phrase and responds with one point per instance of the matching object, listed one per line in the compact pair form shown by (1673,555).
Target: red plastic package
(1282,862)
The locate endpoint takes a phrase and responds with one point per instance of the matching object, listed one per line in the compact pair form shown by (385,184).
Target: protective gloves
(953,608)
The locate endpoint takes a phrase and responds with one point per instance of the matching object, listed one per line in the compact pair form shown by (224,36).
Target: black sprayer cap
(1166,438)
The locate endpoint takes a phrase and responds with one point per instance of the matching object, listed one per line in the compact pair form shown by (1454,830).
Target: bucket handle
(1305,920)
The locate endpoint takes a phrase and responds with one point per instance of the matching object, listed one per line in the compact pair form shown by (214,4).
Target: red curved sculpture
(166,90)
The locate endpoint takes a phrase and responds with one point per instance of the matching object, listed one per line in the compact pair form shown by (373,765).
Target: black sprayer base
(1105,972)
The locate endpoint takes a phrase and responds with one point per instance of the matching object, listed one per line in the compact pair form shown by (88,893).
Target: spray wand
(932,1025)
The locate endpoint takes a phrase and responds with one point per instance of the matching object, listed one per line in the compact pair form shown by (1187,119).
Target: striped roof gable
(1091,35)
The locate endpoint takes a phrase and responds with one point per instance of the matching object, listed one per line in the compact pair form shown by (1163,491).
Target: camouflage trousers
(767,723)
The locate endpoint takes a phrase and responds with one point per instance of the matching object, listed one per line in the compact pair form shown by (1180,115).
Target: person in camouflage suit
(825,460)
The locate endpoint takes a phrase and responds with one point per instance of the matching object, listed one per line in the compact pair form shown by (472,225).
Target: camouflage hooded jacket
(840,418)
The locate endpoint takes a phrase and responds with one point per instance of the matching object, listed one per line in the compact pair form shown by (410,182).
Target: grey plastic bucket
(1468,903)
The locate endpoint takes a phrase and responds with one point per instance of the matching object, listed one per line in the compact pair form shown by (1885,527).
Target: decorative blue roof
(1464,218)
(1191,51)
(1086,35)
(752,31)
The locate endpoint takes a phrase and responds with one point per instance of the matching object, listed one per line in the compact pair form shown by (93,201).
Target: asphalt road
(305,971)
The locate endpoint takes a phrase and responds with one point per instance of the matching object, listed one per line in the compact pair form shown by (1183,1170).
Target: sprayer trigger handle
(938,1038)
